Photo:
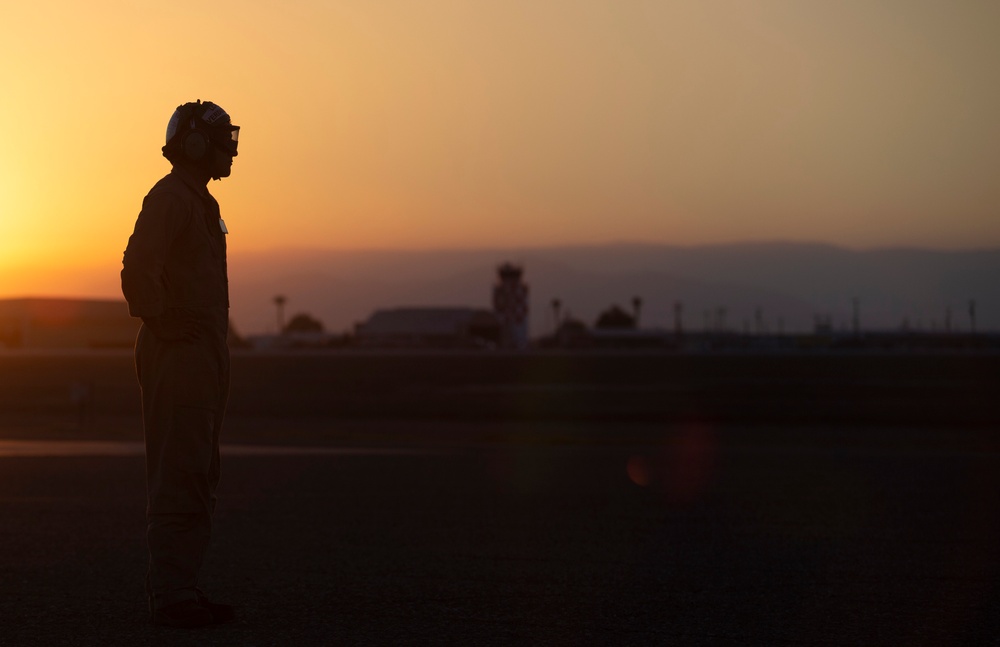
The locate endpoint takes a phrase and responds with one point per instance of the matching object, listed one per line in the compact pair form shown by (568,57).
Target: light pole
(279,301)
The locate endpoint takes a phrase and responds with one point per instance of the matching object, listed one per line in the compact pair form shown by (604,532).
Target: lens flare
(637,468)
(691,463)
(681,468)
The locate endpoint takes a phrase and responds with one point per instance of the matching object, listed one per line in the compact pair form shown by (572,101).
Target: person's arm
(162,218)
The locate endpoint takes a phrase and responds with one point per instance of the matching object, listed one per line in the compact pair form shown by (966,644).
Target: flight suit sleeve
(162,218)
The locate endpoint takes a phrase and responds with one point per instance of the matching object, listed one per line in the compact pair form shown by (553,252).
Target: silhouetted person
(174,277)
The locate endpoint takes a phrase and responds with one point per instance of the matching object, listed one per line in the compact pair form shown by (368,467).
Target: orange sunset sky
(514,123)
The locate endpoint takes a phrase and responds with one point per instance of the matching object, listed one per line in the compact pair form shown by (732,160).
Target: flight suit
(174,276)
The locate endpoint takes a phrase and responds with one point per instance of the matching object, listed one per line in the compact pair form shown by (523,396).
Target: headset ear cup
(195,146)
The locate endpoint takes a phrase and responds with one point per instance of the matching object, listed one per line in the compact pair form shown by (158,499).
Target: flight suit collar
(213,219)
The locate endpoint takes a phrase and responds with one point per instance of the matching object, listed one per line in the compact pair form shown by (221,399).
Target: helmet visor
(227,139)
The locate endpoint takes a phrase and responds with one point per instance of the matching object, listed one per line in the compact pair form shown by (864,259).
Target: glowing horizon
(399,125)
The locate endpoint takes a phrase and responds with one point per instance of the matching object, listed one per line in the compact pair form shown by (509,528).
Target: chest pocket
(209,220)
(195,273)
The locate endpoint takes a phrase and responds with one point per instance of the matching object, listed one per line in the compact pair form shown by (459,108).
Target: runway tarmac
(382,532)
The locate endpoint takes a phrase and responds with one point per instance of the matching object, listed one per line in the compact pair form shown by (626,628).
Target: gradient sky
(454,123)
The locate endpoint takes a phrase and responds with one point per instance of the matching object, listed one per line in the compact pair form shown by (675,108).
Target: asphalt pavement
(388,533)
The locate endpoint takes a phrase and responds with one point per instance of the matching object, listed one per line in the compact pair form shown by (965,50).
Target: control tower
(510,303)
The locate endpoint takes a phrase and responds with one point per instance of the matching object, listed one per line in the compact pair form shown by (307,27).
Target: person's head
(202,137)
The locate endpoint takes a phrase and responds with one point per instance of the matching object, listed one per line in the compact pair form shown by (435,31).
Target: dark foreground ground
(563,533)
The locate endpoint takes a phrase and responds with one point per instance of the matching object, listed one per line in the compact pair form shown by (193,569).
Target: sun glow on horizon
(519,124)
(14,238)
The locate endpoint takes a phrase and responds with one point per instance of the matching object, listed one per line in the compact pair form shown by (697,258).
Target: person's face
(222,163)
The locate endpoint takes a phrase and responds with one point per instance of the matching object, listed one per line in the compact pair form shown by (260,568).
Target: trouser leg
(177,546)
(182,474)
(182,417)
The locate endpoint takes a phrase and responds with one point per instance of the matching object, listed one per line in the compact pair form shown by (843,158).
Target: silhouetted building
(294,339)
(510,303)
(615,318)
(429,328)
(574,334)
(66,323)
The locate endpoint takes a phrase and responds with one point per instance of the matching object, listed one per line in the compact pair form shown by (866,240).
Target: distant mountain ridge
(745,287)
